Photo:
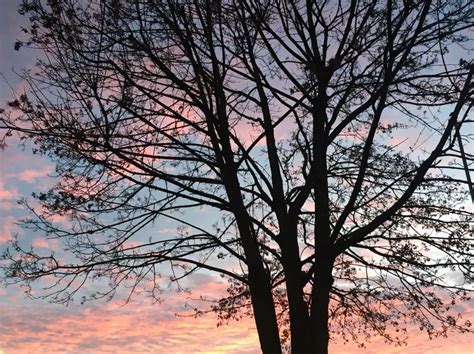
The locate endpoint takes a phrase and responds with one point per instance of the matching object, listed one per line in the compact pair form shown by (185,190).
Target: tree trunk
(320,306)
(298,310)
(322,272)
(299,319)
(259,285)
(259,280)
(264,311)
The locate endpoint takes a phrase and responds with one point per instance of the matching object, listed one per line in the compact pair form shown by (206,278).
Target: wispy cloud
(7,228)
(7,193)
(30,175)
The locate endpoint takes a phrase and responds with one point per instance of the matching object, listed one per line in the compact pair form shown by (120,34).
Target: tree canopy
(310,152)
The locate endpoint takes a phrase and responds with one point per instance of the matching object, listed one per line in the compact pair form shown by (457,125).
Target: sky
(36,326)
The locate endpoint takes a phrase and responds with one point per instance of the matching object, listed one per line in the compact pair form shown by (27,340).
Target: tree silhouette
(326,141)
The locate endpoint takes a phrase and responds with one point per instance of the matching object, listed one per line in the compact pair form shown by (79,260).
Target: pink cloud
(136,328)
(140,327)
(30,175)
(7,193)
(8,205)
(98,327)
(7,228)
(418,342)
(50,244)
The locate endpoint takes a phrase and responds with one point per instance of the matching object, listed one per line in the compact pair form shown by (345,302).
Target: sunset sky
(36,326)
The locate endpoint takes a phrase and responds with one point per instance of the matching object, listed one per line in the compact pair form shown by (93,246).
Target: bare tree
(326,139)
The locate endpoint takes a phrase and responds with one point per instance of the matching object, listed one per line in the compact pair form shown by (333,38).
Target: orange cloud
(142,328)
(138,327)
(418,342)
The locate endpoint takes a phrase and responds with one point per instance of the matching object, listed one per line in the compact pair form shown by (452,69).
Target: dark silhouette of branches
(325,140)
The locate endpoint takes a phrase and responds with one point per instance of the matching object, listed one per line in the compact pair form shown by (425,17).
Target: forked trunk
(259,280)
